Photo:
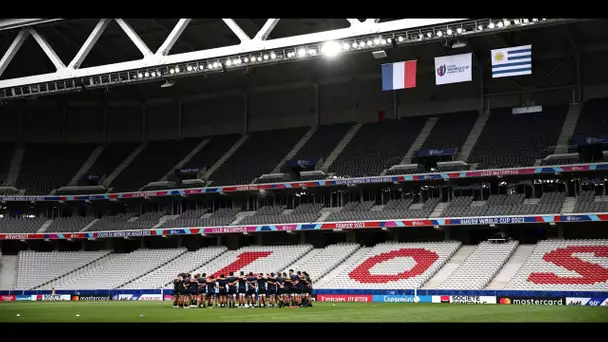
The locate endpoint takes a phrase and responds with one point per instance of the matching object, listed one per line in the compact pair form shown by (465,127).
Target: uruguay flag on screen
(400,75)
(513,61)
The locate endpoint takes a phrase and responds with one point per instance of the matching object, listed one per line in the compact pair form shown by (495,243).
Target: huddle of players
(243,291)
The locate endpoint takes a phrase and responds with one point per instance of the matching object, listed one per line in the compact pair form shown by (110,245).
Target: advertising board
(151,297)
(473,299)
(95,298)
(582,301)
(8,298)
(400,299)
(532,300)
(344,298)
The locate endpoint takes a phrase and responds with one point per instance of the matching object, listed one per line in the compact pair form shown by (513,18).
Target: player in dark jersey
(202,290)
(288,289)
(280,280)
(222,282)
(272,288)
(176,285)
(185,292)
(210,290)
(232,284)
(262,290)
(193,289)
(295,293)
(242,289)
(308,290)
(250,295)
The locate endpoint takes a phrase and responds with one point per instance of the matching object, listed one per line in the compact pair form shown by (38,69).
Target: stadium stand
(212,151)
(194,218)
(122,269)
(564,265)
(323,260)
(592,120)
(109,159)
(323,141)
(256,259)
(513,204)
(37,268)
(377,146)
(260,154)
(59,163)
(7,150)
(20,224)
(272,214)
(69,224)
(509,140)
(451,130)
(152,163)
(480,266)
(162,276)
(588,202)
(394,209)
(385,265)
(127,221)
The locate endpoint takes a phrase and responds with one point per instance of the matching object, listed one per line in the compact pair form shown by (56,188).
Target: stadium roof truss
(367,35)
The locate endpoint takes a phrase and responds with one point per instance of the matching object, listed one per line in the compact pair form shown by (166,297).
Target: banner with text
(454,69)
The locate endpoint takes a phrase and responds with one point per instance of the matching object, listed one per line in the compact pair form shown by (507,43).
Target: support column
(218,240)
(446,231)
(105,123)
(143,122)
(317,110)
(259,239)
(64,126)
(350,236)
(302,238)
(180,115)
(395,105)
(560,231)
(579,82)
(246,113)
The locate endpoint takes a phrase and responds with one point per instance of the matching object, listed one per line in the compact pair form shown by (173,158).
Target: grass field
(321,312)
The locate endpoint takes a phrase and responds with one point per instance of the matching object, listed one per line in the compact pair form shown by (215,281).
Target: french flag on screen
(400,75)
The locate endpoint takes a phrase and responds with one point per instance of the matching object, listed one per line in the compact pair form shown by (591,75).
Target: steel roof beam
(266,29)
(12,50)
(88,44)
(237,30)
(255,45)
(48,50)
(143,48)
(7,24)
(177,31)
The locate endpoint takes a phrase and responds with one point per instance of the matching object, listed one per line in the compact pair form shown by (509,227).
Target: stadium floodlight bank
(363,37)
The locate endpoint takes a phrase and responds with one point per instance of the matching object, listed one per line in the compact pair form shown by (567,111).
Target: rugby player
(272,288)
(295,293)
(250,295)
(185,293)
(261,290)
(280,281)
(221,284)
(176,288)
(202,290)
(307,296)
(210,290)
(232,283)
(242,289)
(193,289)
(288,289)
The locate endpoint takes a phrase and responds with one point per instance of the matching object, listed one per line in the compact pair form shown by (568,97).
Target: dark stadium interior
(474,178)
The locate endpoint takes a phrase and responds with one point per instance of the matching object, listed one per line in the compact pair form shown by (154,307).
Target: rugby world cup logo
(441,70)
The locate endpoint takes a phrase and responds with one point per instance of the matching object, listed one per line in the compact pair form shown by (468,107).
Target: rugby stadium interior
(494,184)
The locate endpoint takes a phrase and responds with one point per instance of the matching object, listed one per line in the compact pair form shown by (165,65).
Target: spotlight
(526,21)
(228,62)
(345,46)
(491,25)
(389,40)
(172,71)
(480,28)
(273,55)
(189,68)
(400,39)
(354,45)
(266,57)
(507,22)
(245,59)
(500,24)
(543,19)
(383,41)
(209,66)
(140,75)
(176,69)
(449,32)
(459,30)
(301,53)
(215,64)
(259,59)
(201,66)
(361,44)
(331,49)
(236,61)
(146,74)
(439,33)
(153,73)
(420,36)
(369,42)
(376,41)
(517,21)
(429,34)
(534,20)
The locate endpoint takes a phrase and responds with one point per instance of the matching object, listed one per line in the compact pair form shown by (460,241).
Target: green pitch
(321,312)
